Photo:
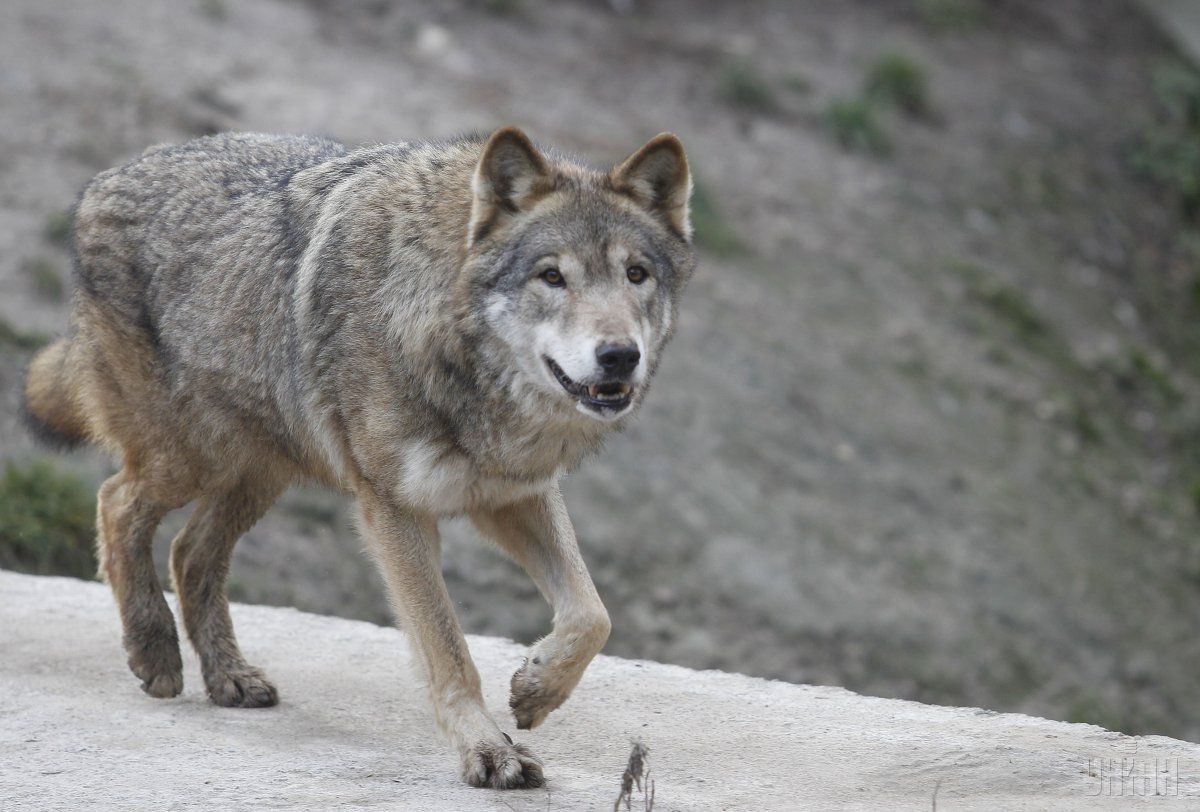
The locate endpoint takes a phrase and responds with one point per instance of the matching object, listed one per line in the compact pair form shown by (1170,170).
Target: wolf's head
(577,273)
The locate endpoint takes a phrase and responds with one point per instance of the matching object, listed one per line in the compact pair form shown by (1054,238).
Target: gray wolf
(435,329)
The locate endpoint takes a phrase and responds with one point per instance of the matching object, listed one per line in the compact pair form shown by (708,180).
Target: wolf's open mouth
(615,395)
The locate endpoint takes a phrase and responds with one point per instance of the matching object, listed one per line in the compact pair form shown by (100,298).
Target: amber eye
(636,273)
(553,277)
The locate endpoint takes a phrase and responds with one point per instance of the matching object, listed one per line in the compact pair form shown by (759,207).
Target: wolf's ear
(657,176)
(509,178)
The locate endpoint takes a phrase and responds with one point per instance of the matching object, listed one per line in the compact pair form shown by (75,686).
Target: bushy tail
(50,406)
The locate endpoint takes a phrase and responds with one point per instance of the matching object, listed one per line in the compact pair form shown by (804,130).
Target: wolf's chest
(444,482)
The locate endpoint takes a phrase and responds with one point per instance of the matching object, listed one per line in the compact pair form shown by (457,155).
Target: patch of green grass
(741,85)
(21,339)
(854,123)
(1177,88)
(712,230)
(44,277)
(948,15)
(1168,150)
(1136,373)
(900,81)
(1145,369)
(57,229)
(47,521)
(1009,305)
(1084,425)
(236,590)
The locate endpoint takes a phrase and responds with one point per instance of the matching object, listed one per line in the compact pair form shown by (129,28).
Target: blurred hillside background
(929,428)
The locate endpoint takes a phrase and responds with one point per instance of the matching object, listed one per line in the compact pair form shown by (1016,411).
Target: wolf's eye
(553,277)
(636,273)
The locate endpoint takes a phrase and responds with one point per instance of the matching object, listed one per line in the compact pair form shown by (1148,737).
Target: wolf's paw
(156,662)
(536,692)
(503,766)
(163,686)
(244,688)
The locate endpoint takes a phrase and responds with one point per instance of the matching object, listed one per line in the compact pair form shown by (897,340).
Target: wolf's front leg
(408,550)
(537,533)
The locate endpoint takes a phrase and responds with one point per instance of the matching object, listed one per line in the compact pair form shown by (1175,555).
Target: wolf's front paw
(536,690)
(155,660)
(502,766)
(164,685)
(244,688)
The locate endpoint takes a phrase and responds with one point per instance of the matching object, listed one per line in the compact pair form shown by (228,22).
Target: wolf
(435,328)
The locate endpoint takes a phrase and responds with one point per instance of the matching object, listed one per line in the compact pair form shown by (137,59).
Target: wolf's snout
(618,360)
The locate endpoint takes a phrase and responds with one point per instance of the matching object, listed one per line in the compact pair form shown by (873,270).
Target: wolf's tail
(50,406)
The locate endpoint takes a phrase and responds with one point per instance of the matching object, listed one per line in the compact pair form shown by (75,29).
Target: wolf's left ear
(509,178)
(657,176)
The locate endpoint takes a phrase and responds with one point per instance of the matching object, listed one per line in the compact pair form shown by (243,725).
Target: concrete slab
(354,731)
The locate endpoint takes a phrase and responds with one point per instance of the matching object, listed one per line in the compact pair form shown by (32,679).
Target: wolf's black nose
(618,359)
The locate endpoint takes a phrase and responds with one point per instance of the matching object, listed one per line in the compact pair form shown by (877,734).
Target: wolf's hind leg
(127,515)
(537,533)
(200,557)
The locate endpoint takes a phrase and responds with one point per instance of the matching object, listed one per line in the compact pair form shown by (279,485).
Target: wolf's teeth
(608,391)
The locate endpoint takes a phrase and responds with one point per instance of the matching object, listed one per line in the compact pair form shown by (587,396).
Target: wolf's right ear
(510,176)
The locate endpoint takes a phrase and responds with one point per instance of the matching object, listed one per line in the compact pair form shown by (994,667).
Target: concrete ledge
(354,731)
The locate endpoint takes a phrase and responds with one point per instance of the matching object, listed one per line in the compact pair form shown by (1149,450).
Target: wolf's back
(162,246)
(168,223)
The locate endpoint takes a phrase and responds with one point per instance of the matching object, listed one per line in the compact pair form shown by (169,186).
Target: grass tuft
(1085,426)
(57,229)
(855,125)
(47,521)
(44,276)
(10,336)
(741,85)
(713,232)
(951,15)
(1013,307)
(900,81)
(1168,150)
(1154,376)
